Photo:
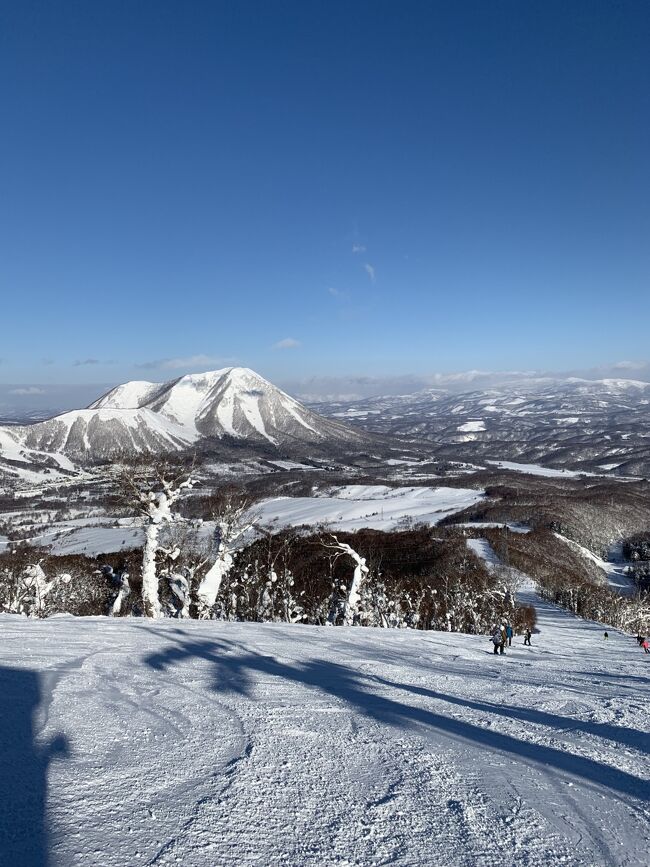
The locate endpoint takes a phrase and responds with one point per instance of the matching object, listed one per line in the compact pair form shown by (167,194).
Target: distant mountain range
(596,426)
(146,417)
(599,426)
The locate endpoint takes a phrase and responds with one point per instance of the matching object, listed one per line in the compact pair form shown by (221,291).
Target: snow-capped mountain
(234,402)
(146,417)
(583,424)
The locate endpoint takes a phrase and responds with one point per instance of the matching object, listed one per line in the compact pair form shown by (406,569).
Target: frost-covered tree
(153,490)
(233,518)
(120,588)
(24,585)
(361,570)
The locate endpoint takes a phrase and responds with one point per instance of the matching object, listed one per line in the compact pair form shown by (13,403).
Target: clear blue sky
(399,187)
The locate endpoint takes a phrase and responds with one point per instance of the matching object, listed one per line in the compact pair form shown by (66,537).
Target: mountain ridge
(143,417)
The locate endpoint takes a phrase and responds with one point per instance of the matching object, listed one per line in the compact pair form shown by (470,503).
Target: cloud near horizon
(30,389)
(190,361)
(358,387)
(287,343)
(631,365)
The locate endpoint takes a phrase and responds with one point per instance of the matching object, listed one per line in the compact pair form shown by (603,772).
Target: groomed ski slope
(208,743)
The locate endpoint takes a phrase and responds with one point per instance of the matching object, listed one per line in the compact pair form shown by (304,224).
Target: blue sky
(322,188)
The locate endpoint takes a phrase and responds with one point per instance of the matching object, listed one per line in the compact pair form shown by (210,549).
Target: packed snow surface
(207,743)
(352,507)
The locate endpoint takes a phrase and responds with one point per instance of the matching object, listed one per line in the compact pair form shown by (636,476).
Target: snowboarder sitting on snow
(509,634)
(527,635)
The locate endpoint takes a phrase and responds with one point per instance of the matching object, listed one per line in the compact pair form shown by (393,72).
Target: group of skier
(502,634)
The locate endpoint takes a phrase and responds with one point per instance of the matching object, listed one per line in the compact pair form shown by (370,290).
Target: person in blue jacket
(509,634)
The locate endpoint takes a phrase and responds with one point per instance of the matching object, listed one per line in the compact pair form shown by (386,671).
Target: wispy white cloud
(287,343)
(189,363)
(358,248)
(86,361)
(630,365)
(336,293)
(31,389)
(370,271)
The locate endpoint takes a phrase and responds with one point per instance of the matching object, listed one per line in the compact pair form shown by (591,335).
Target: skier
(509,634)
(504,638)
(606,636)
(527,635)
(496,639)
(646,645)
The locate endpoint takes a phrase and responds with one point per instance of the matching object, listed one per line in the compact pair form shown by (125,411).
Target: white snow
(226,414)
(214,744)
(472,426)
(129,395)
(10,447)
(251,409)
(90,541)
(535,469)
(614,571)
(377,506)
(291,465)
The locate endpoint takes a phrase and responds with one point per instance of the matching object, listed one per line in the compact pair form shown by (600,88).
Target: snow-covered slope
(145,417)
(234,401)
(101,433)
(213,743)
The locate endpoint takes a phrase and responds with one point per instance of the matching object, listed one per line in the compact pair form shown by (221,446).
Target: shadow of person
(23,771)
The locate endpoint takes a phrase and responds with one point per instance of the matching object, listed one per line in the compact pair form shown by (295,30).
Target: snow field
(537,470)
(380,507)
(211,743)
(348,508)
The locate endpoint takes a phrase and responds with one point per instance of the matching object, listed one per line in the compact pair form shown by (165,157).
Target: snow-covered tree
(154,490)
(120,587)
(361,570)
(24,585)
(233,519)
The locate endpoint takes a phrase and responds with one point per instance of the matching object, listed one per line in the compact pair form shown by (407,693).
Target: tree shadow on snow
(233,666)
(23,771)
(633,738)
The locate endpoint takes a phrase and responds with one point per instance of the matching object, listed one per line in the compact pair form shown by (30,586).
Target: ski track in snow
(208,743)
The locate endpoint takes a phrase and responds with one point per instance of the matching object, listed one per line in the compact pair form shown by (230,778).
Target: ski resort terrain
(205,743)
